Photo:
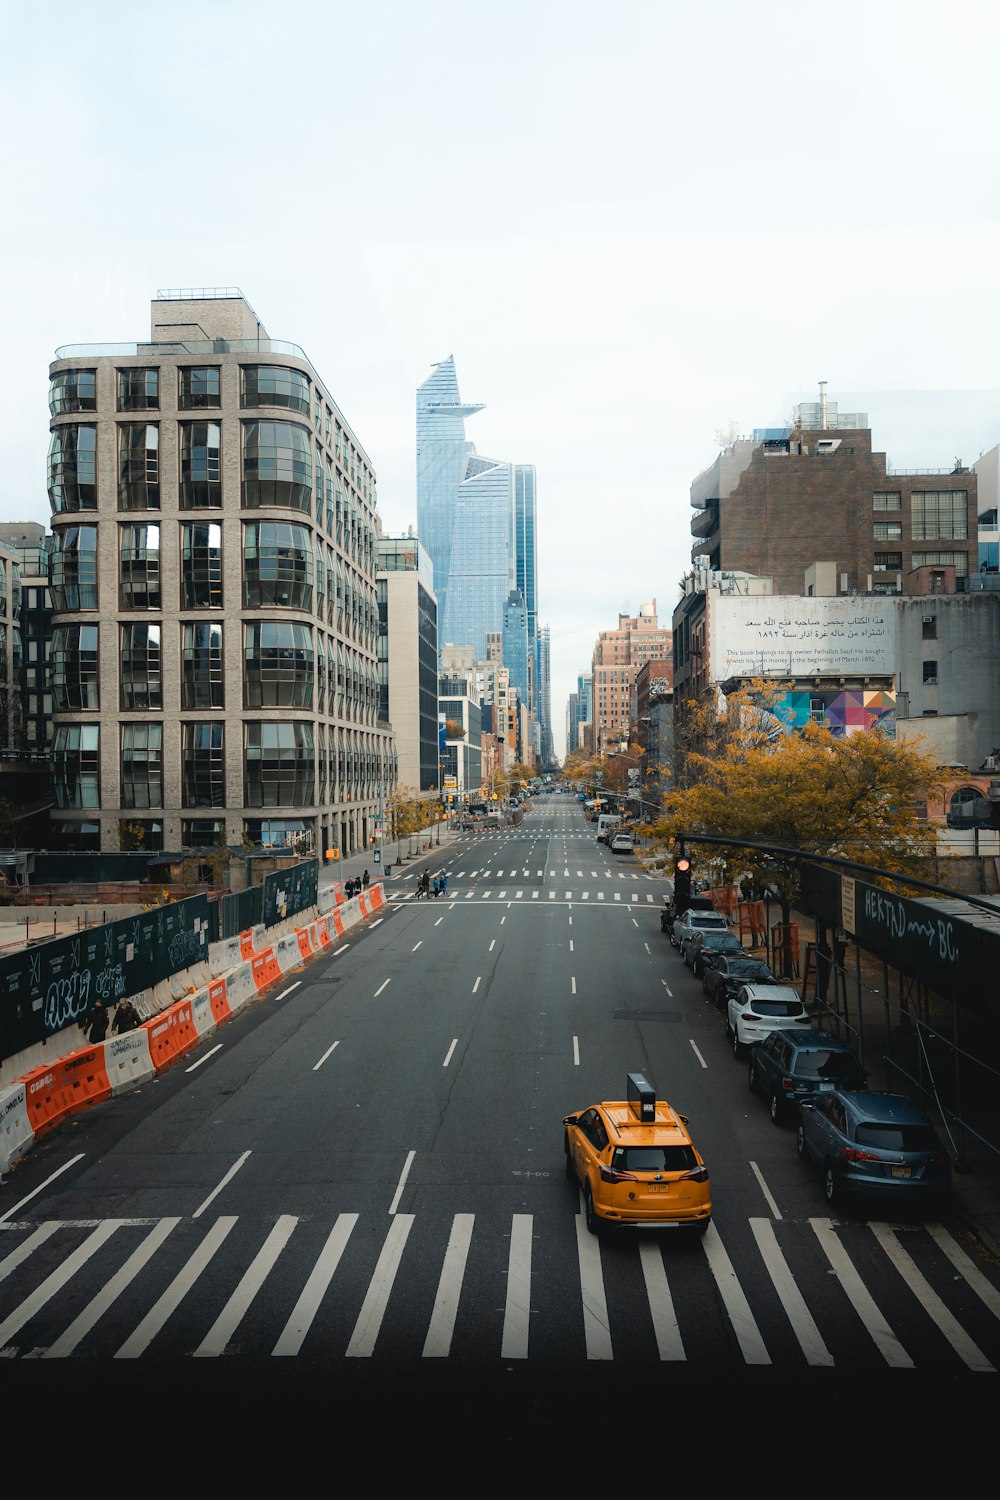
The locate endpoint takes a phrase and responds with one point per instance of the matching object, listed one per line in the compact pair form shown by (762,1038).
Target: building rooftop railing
(199,347)
(902,473)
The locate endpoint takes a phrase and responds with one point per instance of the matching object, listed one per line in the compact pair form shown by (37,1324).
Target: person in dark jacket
(97,1025)
(126,1017)
(364,880)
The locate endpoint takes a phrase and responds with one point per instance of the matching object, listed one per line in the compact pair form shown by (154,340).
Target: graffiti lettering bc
(183,946)
(66,1000)
(110,983)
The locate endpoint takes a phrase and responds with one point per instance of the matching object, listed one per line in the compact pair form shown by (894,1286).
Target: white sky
(630,223)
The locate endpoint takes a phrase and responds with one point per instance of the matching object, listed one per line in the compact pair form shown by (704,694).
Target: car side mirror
(683,1119)
(571,1119)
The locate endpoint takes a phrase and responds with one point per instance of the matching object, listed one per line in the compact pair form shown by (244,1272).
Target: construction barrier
(16,1134)
(265,969)
(338,923)
(171,1035)
(377,897)
(127,1059)
(363,904)
(305,945)
(72,1083)
(323,933)
(240,987)
(218,1001)
(246,945)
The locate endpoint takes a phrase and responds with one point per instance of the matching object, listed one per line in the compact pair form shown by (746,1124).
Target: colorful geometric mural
(842,712)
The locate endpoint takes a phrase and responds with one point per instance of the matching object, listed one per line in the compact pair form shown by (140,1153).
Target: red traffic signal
(682,865)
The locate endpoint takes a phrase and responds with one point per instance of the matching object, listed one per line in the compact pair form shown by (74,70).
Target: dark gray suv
(790,1066)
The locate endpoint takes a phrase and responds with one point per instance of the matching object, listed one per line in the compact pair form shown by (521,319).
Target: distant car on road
(622,843)
(758,1009)
(693,920)
(874,1145)
(790,1066)
(723,976)
(698,948)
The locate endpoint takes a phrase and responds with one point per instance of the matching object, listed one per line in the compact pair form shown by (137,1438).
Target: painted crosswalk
(762,1292)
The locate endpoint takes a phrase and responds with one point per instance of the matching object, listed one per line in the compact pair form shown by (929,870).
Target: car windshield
(897,1137)
(654,1158)
(776,1007)
(748,966)
(822,1063)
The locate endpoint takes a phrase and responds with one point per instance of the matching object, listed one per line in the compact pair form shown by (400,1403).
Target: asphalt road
(352,1197)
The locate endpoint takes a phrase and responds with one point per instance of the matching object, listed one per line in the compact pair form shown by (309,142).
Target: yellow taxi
(636,1163)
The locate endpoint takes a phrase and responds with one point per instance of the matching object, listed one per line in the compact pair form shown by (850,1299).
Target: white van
(605,823)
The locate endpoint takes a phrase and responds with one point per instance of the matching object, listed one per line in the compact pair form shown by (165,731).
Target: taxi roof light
(641,1097)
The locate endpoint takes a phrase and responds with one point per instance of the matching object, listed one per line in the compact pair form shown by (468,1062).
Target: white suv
(758,1009)
(697,921)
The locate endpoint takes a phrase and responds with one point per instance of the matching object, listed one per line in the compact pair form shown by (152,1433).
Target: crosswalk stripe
(984,1290)
(661,1305)
(437,1344)
(42,1233)
(803,1324)
(929,1300)
(596,1325)
(865,1306)
(98,1306)
(366,1329)
(175,1293)
(748,1336)
(58,1279)
(302,1314)
(517,1309)
(235,1310)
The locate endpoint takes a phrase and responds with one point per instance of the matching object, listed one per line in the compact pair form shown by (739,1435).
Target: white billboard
(787,636)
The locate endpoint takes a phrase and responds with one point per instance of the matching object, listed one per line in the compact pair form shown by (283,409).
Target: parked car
(789,1066)
(757,1009)
(622,843)
(874,1145)
(725,973)
(637,1164)
(694,920)
(699,947)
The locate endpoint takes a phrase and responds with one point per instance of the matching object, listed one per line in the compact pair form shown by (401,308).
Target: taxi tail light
(696,1174)
(611,1174)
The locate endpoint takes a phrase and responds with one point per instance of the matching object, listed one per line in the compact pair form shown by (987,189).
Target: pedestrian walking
(97,1024)
(364,881)
(437,886)
(126,1017)
(444,882)
(425,881)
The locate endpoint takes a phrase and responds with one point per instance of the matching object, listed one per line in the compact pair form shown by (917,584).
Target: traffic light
(682,884)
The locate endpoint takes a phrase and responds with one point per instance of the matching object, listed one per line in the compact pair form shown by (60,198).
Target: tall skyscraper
(481,571)
(442,450)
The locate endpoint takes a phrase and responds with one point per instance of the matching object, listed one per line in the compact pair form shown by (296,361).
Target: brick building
(618,655)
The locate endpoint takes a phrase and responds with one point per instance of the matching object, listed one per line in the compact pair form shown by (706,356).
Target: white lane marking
(450,1053)
(289,990)
(210,1053)
(302,1314)
(571,919)
(138,1342)
(400,1185)
(661,1304)
(517,1309)
(381,988)
(667,988)
(42,1186)
(634,922)
(929,1300)
(342,949)
(111,1291)
(647,947)
(552,895)
(366,1329)
(416,946)
(58,1279)
(635,898)
(802,1321)
(695,1049)
(331,1049)
(518,895)
(501,895)
(28,1247)
(618,895)
(585,896)
(885,1340)
(649,899)
(376,923)
(576,1052)
(493,943)
(222,1330)
(775,1210)
(224,1183)
(573,984)
(600,895)
(476,985)
(502,920)
(437,1344)
(984,1290)
(534,895)
(571,945)
(596,1328)
(747,1333)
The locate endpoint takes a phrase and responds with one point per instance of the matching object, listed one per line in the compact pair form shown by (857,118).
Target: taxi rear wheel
(593,1222)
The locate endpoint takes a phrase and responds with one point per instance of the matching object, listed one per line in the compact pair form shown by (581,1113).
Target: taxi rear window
(654,1158)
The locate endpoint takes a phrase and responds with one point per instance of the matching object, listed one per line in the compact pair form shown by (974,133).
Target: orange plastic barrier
(324,934)
(72,1083)
(338,894)
(265,969)
(246,945)
(171,1034)
(363,904)
(218,1001)
(376,897)
(305,946)
(338,924)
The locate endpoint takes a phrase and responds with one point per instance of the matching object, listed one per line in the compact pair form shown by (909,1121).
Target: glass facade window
(76,765)
(142,765)
(139,466)
(149,837)
(278,665)
(957,560)
(888,531)
(203,833)
(280,765)
(273,385)
(887,500)
(277,465)
(200,385)
(74,667)
(201,565)
(73,568)
(202,679)
(73,390)
(888,562)
(141,669)
(280,833)
(73,468)
(203,765)
(939,513)
(277,565)
(138,390)
(201,472)
(139,579)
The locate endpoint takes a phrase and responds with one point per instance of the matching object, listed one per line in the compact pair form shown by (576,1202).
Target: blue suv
(790,1066)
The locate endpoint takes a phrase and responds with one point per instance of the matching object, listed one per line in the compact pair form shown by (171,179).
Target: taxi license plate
(658,1187)
(900,1171)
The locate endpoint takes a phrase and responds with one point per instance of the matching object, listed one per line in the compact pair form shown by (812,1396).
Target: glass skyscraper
(442,451)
